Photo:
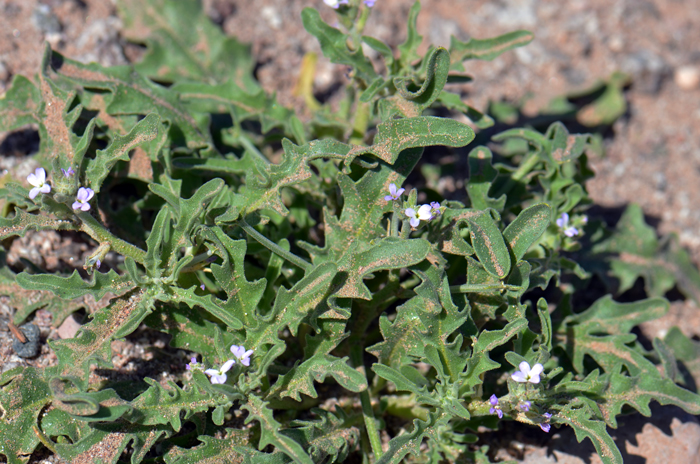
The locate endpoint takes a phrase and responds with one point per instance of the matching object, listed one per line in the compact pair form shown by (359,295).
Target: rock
(687,77)
(30,348)
(69,327)
(649,71)
(44,20)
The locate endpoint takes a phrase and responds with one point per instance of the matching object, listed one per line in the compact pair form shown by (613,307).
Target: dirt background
(652,154)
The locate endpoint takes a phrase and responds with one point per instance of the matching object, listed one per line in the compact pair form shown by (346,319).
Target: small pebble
(31,347)
(687,77)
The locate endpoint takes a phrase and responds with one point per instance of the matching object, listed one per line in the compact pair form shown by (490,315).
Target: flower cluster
(218,376)
(495,409)
(563,224)
(423,213)
(38,181)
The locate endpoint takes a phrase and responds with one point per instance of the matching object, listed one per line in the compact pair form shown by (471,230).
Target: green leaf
(127,93)
(332,436)
(489,245)
(409,49)
(74,286)
(23,396)
(662,264)
(411,104)
(527,228)
(334,45)
(616,320)
(481,177)
(92,343)
(270,431)
(410,442)
(145,131)
(172,404)
(183,44)
(318,364)
(595,431)
(486,49)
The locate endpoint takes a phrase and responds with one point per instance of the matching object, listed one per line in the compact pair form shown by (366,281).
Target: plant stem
(273,247)
(367,411)
(97,231)
(525,167)
(248,145)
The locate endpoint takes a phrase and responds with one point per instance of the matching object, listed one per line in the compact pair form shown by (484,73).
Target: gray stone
(30,348)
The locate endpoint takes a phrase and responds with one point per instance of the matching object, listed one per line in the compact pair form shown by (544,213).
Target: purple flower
(202,287)
(525,406)
(83,198)
(369,3)
(38,180)
(525,374)
(335,3)
(546,426)
(424,213)
(494,407)
(191,364)
(218,376)
(393,193)
(563,223)
(69,172)
(435,208)
(98,263)
(241,354)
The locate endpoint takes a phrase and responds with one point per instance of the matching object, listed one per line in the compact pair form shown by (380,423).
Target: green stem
(395,223)
(405,229)
(524,169)
(273,247)
(473,288)
(248,145)
(94,229)
(366,401)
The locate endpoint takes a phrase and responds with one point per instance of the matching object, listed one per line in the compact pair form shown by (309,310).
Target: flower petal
(227,365)
(519,377)
(414,222)
(524,367)
(537,369)
(76,204)
(34,192)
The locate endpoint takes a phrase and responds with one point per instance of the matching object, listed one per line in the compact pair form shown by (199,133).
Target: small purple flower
(38,180)
(494,407)
(218,376)
(525,405)
(424,213)
(525,374)
(68,173)
(202,287)
(191,364)
(435,208)
(369,3)
(335,3)
(83,198)
(98,263)
(546,426)
(563,223)
(393,193)
(241,354)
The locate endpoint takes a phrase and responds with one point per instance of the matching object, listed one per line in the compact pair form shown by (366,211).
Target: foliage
(301,286)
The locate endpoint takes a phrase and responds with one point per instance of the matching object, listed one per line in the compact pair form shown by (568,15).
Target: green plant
(318,269)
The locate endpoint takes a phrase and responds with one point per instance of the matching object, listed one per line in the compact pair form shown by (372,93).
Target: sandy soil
(652,153)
